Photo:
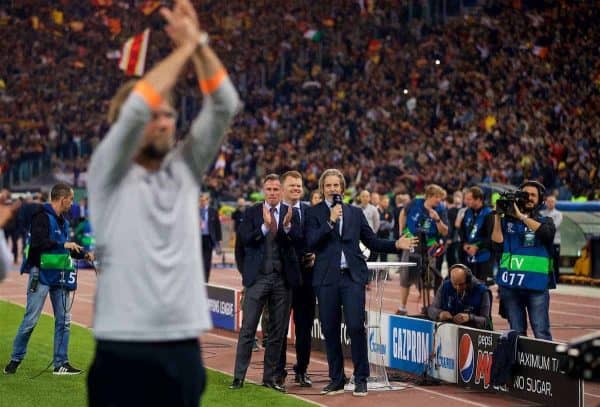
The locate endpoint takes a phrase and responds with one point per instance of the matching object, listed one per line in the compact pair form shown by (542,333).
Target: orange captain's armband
(209,85)
(147,92)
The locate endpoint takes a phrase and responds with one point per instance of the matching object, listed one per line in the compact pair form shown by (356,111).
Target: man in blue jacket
(462,299)
(333,232)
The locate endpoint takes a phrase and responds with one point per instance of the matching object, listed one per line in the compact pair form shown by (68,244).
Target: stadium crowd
(499,95)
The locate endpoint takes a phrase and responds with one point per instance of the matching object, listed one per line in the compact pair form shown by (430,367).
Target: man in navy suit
(303,296)
(333,233)
(210,227)
(271,267)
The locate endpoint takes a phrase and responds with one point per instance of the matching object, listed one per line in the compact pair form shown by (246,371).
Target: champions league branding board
(222,306)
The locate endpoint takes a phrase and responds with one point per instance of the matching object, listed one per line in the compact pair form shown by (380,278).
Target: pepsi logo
(466,361)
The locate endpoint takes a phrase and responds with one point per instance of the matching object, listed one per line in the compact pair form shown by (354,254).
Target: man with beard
(151,303)
(525,272)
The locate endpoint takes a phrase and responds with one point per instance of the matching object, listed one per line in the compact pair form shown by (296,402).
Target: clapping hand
(182,27)
(287,219)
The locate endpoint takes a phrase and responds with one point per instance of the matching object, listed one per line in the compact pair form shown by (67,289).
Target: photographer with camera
(48,261)
(427,219)
(525,272)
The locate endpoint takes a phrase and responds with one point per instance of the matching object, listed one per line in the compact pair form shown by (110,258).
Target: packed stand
(502,95)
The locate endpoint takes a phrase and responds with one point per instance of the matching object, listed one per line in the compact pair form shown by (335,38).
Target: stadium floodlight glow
(405,91)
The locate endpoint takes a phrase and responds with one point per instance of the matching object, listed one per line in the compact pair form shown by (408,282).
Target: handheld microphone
(337,199)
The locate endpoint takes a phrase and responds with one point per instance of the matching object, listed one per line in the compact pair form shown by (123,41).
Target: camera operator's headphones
(541,191)
(465,268)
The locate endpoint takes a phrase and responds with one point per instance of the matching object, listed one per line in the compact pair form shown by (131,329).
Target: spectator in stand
(315,197)
(476,103)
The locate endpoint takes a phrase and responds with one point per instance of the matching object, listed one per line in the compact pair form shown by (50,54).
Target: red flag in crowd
(133,54)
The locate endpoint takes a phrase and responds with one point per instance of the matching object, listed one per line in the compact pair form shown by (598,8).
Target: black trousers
(303,306)
(483,270)
(270,289)
(207,249)
(146,374)
(556,261)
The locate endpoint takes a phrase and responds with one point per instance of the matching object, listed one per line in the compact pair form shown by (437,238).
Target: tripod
(427,272)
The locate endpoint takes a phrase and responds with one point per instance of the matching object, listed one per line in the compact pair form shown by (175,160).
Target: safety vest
(526,262)
(56,267)
(418,220)
(473,225)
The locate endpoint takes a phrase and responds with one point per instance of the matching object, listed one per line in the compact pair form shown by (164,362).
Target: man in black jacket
(49,239)
(210,227)
(270,269)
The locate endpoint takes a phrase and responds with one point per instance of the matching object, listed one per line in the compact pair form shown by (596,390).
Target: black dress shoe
(360,389)
(303,379)
(281,379)
(236,384)
(334,388)
(274,386)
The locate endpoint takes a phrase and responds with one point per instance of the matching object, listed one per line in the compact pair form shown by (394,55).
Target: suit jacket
(327,244)
(300,245)
(254,243)
(214,225)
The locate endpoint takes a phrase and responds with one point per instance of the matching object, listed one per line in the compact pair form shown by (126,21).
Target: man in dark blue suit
(271,267)
(303,296)
(333,233)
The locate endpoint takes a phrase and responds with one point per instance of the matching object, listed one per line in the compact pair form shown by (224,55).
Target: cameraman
(46,258)
(525,272)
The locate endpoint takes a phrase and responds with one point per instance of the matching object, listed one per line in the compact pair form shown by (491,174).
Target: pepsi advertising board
(411,342)
(537,376)
(475,351)
(221,303)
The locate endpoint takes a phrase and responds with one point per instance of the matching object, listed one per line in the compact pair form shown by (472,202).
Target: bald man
(462,299)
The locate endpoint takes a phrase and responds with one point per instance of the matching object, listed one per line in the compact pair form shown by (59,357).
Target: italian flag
(133,54)
(313,35)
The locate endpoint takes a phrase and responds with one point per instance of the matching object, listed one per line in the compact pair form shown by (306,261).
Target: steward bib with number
(525,261)
(56,267)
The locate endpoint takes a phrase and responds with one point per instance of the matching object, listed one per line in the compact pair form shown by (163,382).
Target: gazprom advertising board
(410,341)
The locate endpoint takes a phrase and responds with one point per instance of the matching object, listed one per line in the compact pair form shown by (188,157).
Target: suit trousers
(268,289)
(207,249)
(348,295)
(303,306)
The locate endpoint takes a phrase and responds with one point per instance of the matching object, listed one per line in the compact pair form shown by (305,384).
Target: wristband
(203,39)
(523,217)
(208,86)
